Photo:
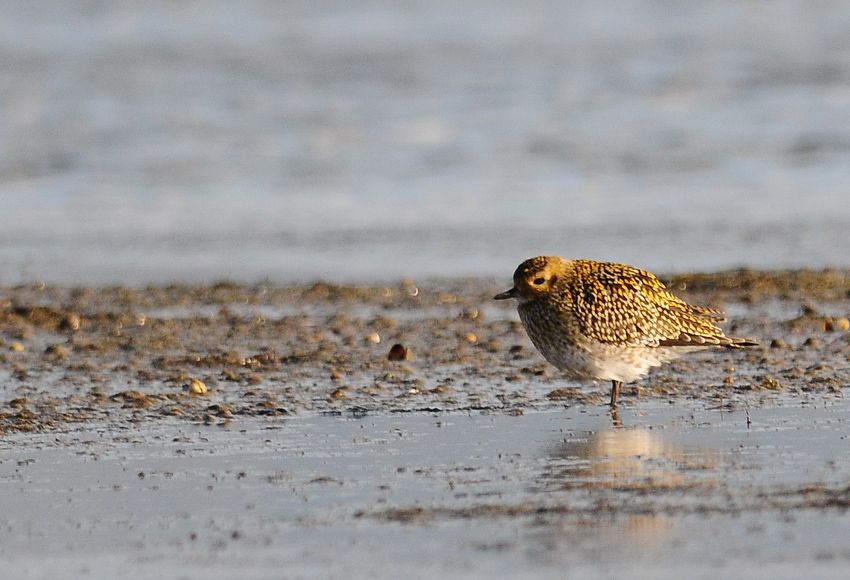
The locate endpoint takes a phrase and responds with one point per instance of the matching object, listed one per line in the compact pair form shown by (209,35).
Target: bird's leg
(615,390)
(615,417)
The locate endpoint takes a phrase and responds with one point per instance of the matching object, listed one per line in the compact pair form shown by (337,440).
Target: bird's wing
(615,303)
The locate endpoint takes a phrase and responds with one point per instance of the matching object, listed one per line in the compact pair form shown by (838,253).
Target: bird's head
(534,278)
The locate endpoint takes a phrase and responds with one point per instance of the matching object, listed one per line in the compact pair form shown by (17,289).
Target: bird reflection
(615,481)
(616,456)
(637,458)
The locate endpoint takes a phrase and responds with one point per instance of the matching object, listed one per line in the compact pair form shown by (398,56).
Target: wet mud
(411,430)
(214,353)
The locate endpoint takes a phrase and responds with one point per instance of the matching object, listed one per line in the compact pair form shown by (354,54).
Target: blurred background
(156,141)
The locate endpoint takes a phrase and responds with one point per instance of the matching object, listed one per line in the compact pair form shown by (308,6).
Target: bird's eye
(538,281)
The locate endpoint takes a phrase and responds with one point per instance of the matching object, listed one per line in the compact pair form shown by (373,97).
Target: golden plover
(607,321)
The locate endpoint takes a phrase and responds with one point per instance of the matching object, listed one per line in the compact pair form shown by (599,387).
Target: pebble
(833,324)
(771,384)
(399,352)
(374,338)
(197,387)
(71,322)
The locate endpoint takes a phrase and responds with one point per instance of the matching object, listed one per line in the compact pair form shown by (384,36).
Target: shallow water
(152,142)
(672,490)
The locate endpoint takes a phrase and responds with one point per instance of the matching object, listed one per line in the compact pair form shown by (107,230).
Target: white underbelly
(584,359)
(599,361)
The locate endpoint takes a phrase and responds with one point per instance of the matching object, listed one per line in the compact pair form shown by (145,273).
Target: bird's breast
(557,337)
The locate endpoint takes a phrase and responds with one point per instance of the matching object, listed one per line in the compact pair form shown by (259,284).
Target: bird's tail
(738,342)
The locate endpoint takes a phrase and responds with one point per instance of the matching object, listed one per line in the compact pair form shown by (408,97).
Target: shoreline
(113,355)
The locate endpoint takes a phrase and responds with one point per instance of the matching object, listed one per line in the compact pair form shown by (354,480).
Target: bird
(609,321)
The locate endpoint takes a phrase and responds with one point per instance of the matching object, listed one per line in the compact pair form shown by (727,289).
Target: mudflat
(412,429)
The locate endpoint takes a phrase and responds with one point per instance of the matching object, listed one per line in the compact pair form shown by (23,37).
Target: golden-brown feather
(616,303)
(604,320)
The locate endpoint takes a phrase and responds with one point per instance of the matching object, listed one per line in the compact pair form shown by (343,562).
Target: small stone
(16,347)
(771,384)
(470,337)
(374,338)
(836,324)
(811,342)
(197,387)
(336,375)
(778,343)
(399,352)
(71,322)
(340,393)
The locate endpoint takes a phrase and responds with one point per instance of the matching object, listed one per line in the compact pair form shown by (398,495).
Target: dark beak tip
(505,295)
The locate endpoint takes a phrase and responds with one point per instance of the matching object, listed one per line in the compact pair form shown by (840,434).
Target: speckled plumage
(601,320)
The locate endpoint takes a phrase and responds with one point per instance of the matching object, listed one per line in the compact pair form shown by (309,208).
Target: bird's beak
(512,293)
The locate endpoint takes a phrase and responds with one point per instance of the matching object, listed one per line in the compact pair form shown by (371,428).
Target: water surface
(293,141)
